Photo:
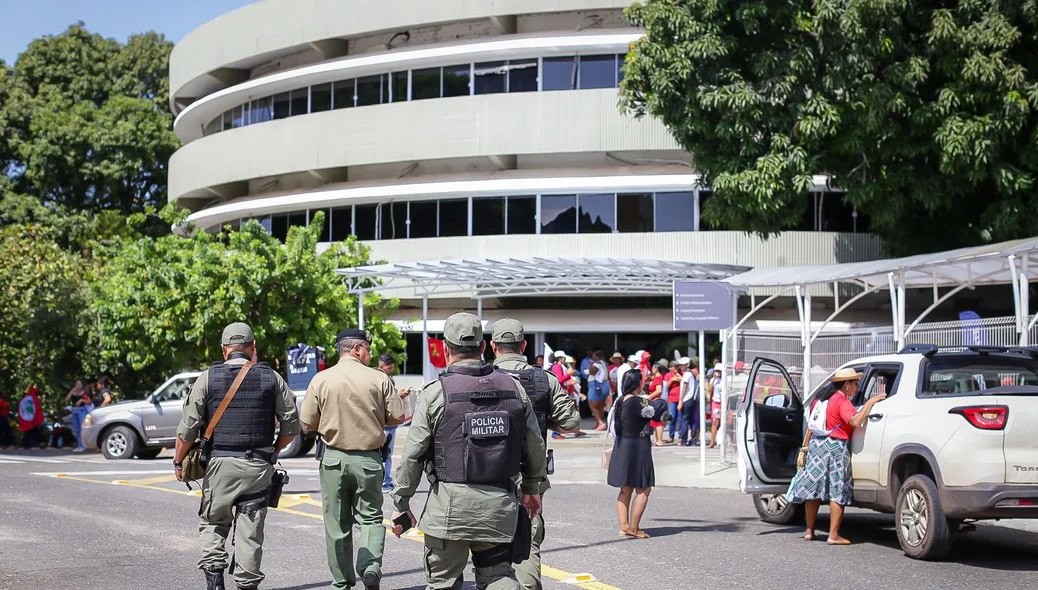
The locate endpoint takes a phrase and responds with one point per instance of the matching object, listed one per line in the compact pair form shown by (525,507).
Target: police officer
(350,405)
(477,431)
(238,474)
(553,408)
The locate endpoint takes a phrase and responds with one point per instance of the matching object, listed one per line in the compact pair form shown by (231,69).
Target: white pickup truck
(955,440)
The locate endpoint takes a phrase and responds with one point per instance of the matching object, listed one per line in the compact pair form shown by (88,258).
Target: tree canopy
(85,121)
(924,111)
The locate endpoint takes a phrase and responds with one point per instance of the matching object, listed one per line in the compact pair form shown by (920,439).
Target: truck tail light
(984,417)
(1015,503)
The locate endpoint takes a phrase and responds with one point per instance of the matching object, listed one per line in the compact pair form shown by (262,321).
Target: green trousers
(445,563)
(228,480)
(351,493)
(528,573)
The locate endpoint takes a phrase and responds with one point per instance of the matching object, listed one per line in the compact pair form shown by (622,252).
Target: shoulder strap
(227,399)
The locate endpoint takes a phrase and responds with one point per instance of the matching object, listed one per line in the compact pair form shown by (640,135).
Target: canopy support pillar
(427,369)
(360,310)
(804,307)
(703,401)
(479,308)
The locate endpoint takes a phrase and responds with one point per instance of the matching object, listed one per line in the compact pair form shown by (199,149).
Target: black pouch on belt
(278,481)
(384,451)
(523,536)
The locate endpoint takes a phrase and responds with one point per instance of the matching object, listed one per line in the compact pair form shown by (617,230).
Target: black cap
(353,334)
(387,359)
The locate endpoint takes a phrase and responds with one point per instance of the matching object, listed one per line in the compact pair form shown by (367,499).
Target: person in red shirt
(826,473)
(656,386)
(6,437)
(673,386)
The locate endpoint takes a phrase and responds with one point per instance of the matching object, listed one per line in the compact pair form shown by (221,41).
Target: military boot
(213,579)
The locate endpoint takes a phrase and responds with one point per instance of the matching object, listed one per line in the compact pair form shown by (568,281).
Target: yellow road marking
(285,504)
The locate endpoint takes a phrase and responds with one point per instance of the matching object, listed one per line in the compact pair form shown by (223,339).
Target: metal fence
(831,350)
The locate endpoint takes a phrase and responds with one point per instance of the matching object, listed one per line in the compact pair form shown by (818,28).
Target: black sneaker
(213,579)
(371,580)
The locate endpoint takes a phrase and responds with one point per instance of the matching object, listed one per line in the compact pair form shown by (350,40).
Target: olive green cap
(507,330)
(463,329)
(237,333)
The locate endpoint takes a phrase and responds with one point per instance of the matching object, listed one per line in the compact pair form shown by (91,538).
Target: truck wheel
(293,448)
(148,454)
(119,443)
(922,528)
(774,509)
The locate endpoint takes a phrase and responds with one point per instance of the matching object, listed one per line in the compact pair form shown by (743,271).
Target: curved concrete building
(451,129)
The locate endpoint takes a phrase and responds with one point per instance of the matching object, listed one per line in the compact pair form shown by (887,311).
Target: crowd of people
(36,429)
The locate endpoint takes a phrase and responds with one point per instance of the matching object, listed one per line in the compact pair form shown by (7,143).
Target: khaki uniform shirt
(196,411)
(564,414)
(349,404)
(457,511)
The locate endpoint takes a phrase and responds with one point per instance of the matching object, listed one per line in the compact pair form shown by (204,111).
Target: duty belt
(249,454)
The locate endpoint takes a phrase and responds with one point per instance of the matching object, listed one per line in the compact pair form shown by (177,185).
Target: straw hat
(845,374)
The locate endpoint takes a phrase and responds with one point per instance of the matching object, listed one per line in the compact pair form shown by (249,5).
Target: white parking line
(134,472)
(10,461)
(20,458)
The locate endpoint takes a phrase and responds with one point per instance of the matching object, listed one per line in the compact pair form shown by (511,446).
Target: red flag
(437,355)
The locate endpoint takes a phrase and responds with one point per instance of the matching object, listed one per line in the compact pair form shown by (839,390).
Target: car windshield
(959,375)
(177,389)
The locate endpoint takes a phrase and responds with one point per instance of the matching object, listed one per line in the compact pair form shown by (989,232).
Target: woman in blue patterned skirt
(826,473)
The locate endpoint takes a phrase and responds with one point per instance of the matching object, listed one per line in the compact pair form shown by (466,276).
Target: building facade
(453,129)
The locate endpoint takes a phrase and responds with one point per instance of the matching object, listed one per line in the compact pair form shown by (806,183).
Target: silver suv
(142,428)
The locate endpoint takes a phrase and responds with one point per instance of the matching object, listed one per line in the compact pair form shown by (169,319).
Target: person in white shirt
(598,388)
(715,402)
(688,407)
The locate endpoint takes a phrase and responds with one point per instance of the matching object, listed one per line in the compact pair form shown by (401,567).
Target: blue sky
(21,21)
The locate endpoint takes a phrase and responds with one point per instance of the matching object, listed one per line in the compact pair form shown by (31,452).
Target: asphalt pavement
(79,521)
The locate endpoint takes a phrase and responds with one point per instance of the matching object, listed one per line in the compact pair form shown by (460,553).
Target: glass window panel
(454,217)
(320,98)
(227,116)
(558,73)
(596,214)
(262,110)
(559,214)
(490,79)
(620,59)
(456,80)
(237,119)
(300,99)
(634,213)
(399,83)
(369,90)
(281,105)
(365,228)
(267,223)
(675,211)
(423,219)
(394,220)
(488,216)
(342,223)
(297,219)
(704,196)
(522,75)
(344,94)
(425,83)
(522,215)
(246,113)
(326,225)
(598,71)
(279,226)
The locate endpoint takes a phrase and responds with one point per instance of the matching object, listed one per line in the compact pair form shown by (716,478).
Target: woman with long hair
(826,473)
(630,467)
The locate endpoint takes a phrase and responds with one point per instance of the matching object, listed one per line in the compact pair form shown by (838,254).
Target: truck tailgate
(1021,438)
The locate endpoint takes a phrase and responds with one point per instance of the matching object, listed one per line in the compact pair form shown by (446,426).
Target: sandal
(840,542)
(639,535)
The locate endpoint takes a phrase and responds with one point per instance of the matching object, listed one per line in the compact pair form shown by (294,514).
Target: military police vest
(535,382)
(248,422)
(480,439)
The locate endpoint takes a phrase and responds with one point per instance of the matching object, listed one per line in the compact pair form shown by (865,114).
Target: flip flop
(841,542)
(640,535)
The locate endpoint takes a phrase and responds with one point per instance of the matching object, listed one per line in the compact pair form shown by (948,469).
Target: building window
(488,216)
(326,225)
(522,215)
(399,86)
(490,77)
(620,59)
(279,226)
(342,223)
(321,98)
(423,219)
(704,196)
(282,108)
(522,75)
(297,219)
(559,214)
(262,110)
(300,102)
(559,73)
(597,71)
(394,224)
(456,80)
(425,83)
(236,117)
(634,213)
(365,222)
(454,217)
(344,94)
(596,214)
(675,211)
(369,90)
